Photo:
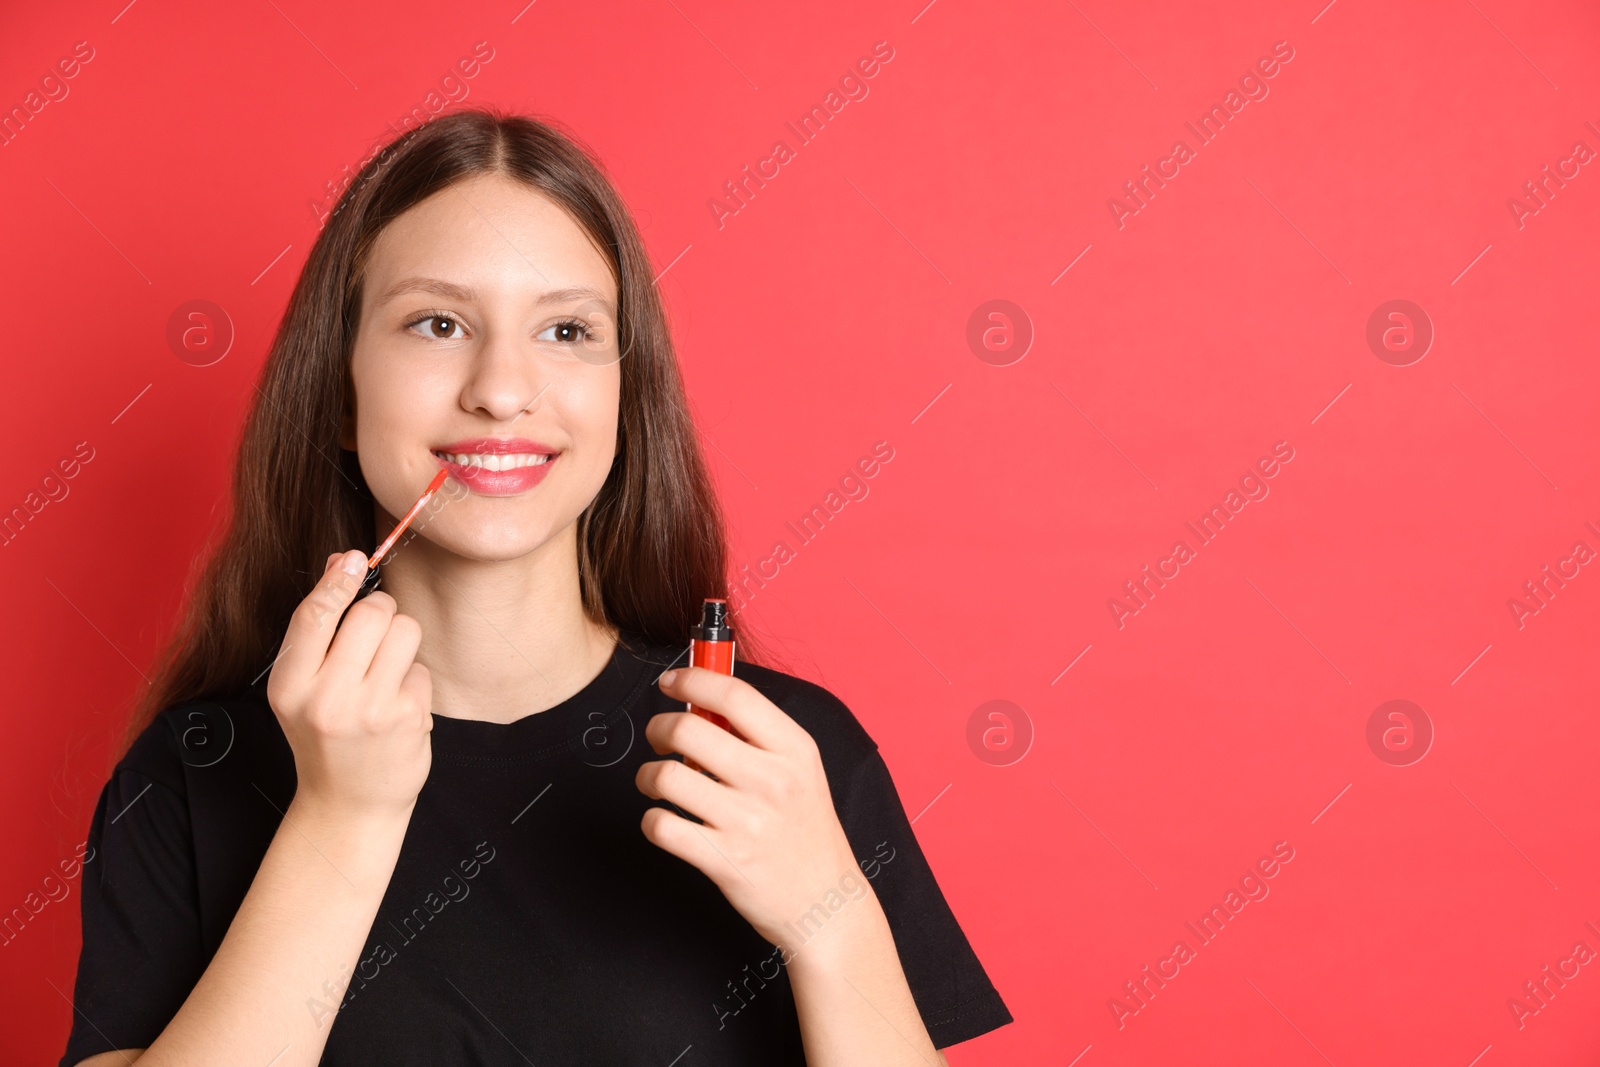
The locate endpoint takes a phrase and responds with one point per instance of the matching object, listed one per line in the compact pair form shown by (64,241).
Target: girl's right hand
(357,714)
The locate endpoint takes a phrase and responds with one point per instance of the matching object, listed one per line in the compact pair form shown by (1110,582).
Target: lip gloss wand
(370,580)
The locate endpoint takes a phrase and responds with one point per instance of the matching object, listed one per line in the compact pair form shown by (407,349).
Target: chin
(497,541)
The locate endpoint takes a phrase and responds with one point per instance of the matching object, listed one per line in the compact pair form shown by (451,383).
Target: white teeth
(492,462)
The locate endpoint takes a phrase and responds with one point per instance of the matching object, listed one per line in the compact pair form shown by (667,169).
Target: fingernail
(353,562)
(669,677)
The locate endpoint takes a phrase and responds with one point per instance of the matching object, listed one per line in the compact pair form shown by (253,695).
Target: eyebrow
(467,294)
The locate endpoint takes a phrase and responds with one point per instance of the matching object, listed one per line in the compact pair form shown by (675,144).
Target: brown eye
(569,332)
(439,327)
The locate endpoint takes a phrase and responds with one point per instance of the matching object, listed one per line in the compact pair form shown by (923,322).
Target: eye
(435,322)
(569,331)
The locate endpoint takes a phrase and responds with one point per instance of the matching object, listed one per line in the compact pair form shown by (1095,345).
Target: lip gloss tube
(711,645)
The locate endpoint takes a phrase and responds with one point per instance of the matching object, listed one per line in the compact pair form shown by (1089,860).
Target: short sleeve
(141,953)
(952,991)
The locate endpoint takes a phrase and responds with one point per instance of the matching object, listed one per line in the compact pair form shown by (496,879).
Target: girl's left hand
(771,839)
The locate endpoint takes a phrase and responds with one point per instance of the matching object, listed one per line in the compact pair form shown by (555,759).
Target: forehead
(492,234)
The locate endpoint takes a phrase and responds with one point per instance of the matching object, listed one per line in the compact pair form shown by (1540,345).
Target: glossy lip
(497,446)
(497,483)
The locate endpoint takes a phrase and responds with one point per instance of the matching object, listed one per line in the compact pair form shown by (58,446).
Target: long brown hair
(651,545)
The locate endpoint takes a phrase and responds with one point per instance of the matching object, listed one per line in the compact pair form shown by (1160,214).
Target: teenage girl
(451,822)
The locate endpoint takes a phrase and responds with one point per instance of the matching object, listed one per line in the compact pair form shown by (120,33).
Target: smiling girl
(457,827)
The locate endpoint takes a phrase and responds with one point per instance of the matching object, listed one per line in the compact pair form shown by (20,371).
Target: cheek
(401,400)
(396,406)
(589,413)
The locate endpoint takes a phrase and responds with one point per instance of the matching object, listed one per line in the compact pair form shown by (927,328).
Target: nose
(505,381)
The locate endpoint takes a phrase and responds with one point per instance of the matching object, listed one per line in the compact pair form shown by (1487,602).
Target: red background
(825,316)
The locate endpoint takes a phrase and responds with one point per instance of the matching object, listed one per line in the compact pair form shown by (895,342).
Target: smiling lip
(508,482)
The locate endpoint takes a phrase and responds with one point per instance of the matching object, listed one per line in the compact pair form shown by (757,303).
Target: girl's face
(487,339)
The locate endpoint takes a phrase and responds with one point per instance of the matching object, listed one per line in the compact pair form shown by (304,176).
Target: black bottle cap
(713,622)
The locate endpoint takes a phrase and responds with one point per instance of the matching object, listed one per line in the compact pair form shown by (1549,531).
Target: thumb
(345,571)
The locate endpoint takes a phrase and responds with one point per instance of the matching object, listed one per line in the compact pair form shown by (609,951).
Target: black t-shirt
(528,918)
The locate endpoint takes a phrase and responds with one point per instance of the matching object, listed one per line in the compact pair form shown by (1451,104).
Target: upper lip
(496,446)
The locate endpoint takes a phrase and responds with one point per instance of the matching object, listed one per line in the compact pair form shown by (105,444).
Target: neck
(501,638)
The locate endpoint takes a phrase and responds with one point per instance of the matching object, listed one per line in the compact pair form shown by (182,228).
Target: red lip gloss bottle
(711,646)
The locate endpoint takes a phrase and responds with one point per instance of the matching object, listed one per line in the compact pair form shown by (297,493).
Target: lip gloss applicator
(711,646)
(370,580)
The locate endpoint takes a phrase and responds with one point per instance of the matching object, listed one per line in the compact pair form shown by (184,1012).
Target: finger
(709,745)
(709,801)
(395,653)
(695,845)
(311,627)
(756,718)
(418,682)
(358,638)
